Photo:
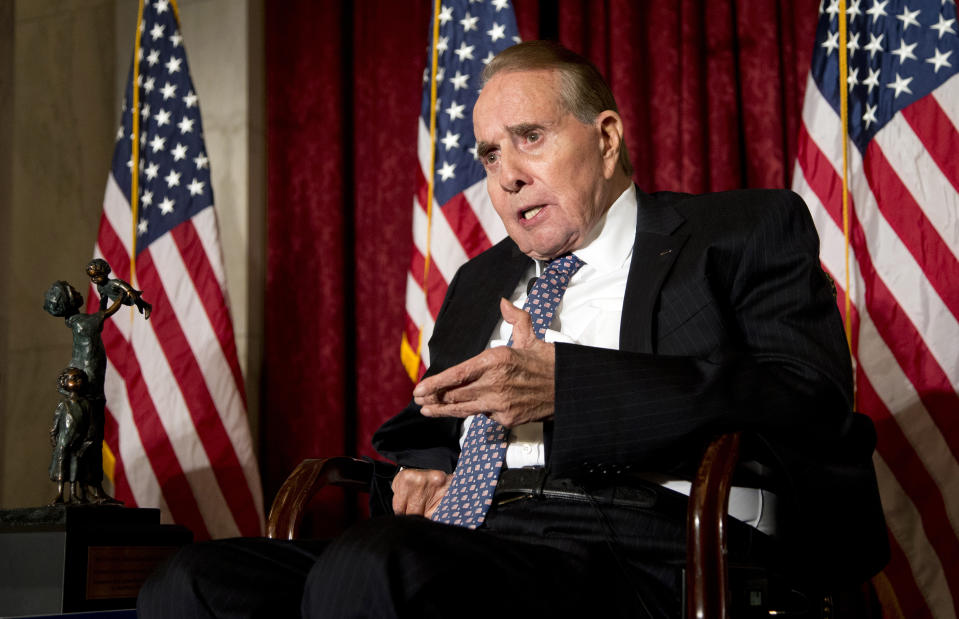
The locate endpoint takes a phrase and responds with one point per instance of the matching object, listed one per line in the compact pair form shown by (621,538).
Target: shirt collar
(610,243)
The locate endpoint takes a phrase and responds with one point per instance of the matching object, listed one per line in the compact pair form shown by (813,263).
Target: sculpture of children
(69,436)
(113,289)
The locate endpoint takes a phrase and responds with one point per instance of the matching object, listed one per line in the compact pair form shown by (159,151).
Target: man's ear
(611,140)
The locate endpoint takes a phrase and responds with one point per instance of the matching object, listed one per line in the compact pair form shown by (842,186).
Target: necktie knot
(545,295)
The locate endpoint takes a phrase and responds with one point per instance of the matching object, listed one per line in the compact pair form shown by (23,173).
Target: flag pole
(844,115)
(430,180)
(135,152)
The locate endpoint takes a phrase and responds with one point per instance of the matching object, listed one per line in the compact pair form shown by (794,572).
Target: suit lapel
(654,252)
(504,275)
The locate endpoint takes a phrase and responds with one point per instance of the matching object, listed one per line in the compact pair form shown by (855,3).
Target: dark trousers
(532,557)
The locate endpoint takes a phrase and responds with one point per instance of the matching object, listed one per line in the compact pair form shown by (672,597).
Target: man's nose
(513,175)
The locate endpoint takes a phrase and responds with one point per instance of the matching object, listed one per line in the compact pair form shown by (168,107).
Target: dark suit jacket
(728,323)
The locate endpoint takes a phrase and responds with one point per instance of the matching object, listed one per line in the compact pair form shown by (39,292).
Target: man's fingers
(523,334)
(461,410)
(433,388)
(417,491)
(455,376)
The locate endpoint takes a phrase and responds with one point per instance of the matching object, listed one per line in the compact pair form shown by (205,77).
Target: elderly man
(578,367)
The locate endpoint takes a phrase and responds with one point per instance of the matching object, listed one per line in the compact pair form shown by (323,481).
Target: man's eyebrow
(524,128)
(483,149)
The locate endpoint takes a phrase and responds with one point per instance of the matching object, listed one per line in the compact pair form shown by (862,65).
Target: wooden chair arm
(706,571)
(304,482)
(706,567)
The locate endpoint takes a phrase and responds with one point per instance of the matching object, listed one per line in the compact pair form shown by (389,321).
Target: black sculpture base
(72,558)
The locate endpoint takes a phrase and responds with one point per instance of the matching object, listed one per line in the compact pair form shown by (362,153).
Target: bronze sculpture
(69,435)
(113,289)
(81,464)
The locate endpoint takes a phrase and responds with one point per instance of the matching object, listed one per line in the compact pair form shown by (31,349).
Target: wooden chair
(707,571)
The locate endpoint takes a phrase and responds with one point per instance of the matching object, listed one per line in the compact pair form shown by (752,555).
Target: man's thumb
(521,321)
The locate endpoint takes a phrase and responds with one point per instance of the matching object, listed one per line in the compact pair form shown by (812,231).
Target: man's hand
(418,492)
(512,385)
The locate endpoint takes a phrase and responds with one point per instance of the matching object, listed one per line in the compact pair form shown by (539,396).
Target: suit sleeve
(781,371)
(412,440)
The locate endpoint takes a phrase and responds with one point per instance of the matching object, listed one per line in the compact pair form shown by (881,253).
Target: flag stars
(872,81)
(464,52)
(120,132)
(168,90)
(179,152)
(149,84)
(833,8)
(176,39)
(162,118)
(443,44)
(459,80)
(900,85)
(185,125)
(875,44)
(940,59)
(447,171)
(145,111)
(196,187)
(190,99)
(500,4)
(853,11)
(201,161)
(142,226)
(869,116)
(469,22)
(451,140)
(166,207)
(154,57)
(877,10)
(446,14)
(908,18)
(852,45)
(455,110)
(161,6)
(172,179)
(905,52)
(151,171)
(157,143)
(146,198)
(944,26)
(174,64)
(831,43)
(489,57)
(852,80)
(497,32)
(157,31)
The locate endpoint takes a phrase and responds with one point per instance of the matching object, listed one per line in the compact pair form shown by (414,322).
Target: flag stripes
(461,222)
(177,426)
(904,243)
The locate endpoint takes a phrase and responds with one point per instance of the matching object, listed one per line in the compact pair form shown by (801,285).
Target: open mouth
(531,213)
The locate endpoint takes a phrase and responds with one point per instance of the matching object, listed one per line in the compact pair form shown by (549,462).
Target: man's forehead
(518,97)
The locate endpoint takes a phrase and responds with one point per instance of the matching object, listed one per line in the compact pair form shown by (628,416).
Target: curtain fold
(710,93)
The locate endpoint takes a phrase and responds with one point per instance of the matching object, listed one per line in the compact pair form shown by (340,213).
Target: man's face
(548,174)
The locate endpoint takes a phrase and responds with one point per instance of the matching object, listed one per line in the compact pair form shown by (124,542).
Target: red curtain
(710,93)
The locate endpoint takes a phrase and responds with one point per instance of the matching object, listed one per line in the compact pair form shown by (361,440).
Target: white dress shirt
(590,314)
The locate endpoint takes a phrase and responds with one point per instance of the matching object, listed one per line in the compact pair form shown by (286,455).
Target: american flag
(461,222)
(903,179)
(176,428)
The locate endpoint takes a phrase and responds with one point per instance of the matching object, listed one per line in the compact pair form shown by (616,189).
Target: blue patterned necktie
(471,492)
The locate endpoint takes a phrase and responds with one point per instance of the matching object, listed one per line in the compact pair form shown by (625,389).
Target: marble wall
(63,66)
